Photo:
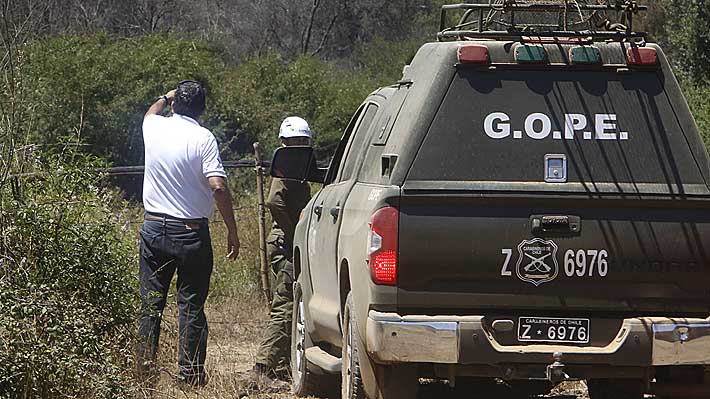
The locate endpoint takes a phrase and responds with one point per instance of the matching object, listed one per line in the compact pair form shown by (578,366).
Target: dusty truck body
(532,210)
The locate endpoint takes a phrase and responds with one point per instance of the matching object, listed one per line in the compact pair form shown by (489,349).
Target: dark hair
(189,99)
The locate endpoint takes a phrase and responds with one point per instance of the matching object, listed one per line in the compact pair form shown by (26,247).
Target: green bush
(98,88)
(698,96)
(687,30)
(257,95)
(67,286)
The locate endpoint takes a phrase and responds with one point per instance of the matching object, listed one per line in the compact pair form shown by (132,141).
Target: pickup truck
(525,209)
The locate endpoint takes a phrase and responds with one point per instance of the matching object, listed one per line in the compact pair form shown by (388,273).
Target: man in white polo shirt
(184,177)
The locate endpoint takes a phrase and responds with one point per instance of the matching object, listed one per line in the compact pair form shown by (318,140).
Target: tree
(687,30)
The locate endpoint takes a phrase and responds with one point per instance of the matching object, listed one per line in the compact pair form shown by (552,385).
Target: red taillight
(382,246)
(473,54)
(642,56)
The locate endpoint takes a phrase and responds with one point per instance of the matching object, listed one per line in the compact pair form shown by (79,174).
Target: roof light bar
(585,55)
(642,56)
(473,54)
(530,54)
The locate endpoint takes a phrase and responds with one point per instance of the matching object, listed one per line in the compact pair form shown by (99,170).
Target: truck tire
(397,381)
(613,389)
(351,380)
(305,382)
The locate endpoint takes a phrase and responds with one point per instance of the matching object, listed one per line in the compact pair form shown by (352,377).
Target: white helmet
(294,126)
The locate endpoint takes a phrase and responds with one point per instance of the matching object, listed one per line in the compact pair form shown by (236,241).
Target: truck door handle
(318,210)
(555,224)
(335,212)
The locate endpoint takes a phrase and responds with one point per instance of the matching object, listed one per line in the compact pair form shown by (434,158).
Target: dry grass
(235,332)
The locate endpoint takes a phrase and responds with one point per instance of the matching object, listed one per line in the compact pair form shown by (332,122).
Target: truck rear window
(617,130)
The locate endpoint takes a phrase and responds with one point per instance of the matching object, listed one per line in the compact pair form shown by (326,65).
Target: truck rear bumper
(641,342)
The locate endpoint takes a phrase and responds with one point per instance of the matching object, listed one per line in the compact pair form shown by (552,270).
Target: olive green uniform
(286,200)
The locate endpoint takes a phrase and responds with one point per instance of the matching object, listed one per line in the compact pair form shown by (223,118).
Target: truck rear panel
(573,190)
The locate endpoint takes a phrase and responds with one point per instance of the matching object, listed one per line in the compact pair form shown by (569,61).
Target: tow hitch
(556,371)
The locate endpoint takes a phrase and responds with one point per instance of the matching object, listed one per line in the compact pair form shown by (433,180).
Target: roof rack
(600,26)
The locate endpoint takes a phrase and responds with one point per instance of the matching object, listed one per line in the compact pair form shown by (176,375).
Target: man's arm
(224,203)
(160,104)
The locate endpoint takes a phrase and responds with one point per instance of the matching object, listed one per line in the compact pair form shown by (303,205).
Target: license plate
(551,329)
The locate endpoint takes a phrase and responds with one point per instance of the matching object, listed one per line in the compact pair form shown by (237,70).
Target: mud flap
(397,381)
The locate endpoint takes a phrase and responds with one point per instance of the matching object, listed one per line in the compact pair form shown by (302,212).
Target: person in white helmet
(286,200)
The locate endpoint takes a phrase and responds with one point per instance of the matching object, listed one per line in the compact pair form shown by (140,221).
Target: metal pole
(261,210)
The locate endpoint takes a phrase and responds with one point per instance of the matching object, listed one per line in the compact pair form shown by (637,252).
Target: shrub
(687,36)
(99,88)
(67,300)
(257,95)
(107,84)
(698,96)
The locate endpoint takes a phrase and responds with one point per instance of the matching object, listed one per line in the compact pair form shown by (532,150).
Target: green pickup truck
(529,208)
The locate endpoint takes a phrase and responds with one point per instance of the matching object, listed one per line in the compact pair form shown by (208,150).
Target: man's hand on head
(159,105)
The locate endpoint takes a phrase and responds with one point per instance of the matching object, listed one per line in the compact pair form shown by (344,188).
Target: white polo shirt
(179,157)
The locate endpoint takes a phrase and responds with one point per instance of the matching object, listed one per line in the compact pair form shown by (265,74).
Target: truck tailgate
(474,252)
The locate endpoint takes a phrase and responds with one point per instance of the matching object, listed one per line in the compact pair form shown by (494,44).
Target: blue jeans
(167,247)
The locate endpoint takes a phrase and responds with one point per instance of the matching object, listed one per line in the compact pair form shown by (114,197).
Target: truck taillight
(382,246)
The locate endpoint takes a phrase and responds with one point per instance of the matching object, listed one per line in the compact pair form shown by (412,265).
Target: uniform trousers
(275,349)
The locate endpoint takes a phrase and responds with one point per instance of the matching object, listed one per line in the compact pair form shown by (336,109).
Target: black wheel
(351,379)
(614,389)
(305,382)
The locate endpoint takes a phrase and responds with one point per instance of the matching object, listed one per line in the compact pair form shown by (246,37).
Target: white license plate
(552,329)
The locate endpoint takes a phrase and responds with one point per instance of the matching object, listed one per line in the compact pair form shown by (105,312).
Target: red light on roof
(642,56)
(473,54)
